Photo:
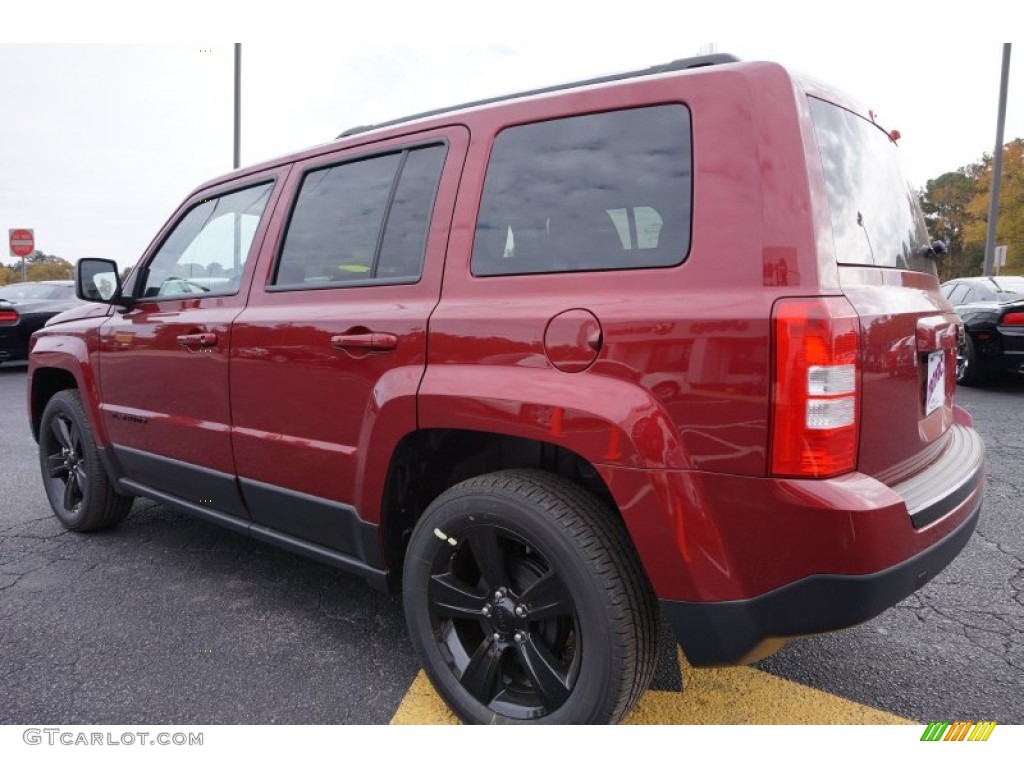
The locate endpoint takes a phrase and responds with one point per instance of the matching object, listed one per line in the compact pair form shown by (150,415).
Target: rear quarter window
(592,192)
(876,217)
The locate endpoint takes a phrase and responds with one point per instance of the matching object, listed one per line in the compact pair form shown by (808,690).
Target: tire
(77,485)
(526,602)
(968,372)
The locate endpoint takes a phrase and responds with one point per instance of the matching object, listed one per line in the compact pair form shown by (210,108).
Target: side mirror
(98,280)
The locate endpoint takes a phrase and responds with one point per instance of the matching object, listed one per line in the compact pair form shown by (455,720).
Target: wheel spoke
(489,556)
(55,465)
(76,438)
(547,597)
(81,480)
(450,597)
(549,678)
(482,673)
(61,432)
(70,491)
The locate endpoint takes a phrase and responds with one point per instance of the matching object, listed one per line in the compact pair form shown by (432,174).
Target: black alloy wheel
(505,622)
(76,483)
(526,602)
(66,473)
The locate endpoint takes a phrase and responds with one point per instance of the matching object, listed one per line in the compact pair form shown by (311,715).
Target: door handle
(196,341)
(365,342)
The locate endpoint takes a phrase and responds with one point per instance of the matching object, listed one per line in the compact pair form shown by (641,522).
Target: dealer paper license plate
(935,392)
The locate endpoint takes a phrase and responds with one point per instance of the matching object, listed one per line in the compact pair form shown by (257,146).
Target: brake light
(1013,318)
(816,387)
(8,317)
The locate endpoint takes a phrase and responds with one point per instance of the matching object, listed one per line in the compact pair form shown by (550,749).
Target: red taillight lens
(8,317)
(1013,318)
(816,387)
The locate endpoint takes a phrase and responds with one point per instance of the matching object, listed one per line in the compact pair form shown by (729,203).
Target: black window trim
(332,161)
(143,272)
(569,115)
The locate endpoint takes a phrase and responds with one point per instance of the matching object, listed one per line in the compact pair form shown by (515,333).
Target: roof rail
(672,66)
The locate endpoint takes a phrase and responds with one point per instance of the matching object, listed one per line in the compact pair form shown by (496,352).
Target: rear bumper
(740,563)
(1002,350)
(13,343)
(738,631)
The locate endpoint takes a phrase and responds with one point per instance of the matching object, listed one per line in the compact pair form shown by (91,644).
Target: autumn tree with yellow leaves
(41,266)
(956,208)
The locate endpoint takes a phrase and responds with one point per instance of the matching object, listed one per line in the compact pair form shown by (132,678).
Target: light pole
(238,102)
(997,165)
(237,265)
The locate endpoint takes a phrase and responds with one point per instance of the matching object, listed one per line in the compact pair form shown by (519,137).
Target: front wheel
(77,486)
(527,603)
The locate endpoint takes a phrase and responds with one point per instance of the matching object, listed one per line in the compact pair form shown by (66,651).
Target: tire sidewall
(973,375)
(452,514)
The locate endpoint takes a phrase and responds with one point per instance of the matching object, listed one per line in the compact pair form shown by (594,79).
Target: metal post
(238,102)
(997,165)
(236,275)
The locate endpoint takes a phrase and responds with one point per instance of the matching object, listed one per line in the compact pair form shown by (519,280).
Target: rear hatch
(908,330)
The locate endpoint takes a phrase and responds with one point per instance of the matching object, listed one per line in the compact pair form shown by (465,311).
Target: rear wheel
(527,603)
(968,372)
(77,485)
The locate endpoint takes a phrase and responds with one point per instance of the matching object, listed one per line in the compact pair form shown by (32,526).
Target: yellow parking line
(731,695)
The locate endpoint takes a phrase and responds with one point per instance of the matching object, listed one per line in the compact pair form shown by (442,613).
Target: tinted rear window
(593,192)
(876,218)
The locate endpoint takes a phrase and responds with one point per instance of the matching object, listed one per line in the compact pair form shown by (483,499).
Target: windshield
(29,291)
(876,217)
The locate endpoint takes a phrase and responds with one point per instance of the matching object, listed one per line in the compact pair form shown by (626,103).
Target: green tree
(50,268)
(945,202)
(41,266)
(9,274)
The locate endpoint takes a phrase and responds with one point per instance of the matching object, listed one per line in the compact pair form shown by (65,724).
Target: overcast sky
(99,144)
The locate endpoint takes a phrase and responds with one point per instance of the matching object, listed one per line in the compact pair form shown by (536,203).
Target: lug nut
(519,637)
(499,593)
(520,611)
(486,610)
(496,637)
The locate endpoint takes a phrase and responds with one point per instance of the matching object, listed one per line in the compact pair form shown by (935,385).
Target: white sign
(1000,255)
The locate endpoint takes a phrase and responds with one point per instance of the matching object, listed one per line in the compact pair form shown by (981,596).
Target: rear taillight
(1013,318)
(8,317)
(816,387)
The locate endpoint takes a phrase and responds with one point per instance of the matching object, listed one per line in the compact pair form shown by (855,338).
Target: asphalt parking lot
(167,619)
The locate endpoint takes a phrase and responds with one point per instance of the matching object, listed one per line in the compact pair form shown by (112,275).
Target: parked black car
(992,309)
(25,308)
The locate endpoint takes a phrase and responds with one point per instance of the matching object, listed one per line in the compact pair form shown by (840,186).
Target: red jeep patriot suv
(554,365)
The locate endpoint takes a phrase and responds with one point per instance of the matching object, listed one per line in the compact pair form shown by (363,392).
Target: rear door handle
(365,342)
(196,341)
